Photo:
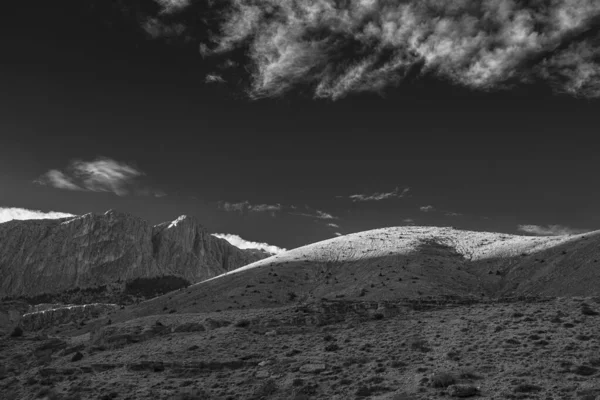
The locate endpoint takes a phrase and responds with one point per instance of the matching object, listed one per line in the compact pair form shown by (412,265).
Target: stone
(58,314)
(76,357)
(462,391)
(262,374)
(313,368)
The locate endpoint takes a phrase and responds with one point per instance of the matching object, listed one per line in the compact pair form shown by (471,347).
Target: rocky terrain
(436,348)
(397,313)
(96,257)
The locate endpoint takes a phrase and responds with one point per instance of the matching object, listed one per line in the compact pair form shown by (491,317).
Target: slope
(401,262)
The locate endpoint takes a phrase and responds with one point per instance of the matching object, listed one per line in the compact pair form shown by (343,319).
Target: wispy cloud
(10,213)
(396,193)
(409,221)
(172,6)
(332,225)
(246,206)
(427,208)
(241,243)
(318,214)
(550,230)
(100,175)
(339,47)
(213,78)
(452,214)
(338,234)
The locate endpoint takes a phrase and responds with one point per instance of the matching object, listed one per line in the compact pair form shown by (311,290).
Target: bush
(420,345)
(17,332)
(468,374)
(242,323)
(195,394)
(586,310)
(267,388)
(527,388)
(442,380)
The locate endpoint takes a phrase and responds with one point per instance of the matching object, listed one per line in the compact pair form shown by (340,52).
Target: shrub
(17,332)
(267,388)
(332,347)
(378,316)
(527,388)
(420,345)
(442,380)
(468,374)
(194,394)
(586,310)
(242,323)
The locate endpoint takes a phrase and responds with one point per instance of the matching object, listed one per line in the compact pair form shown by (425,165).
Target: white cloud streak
(15,213)
(100,175)
(317,214)
(246,206)
(550,230)
(340,47)
(241,243)
(427,208)
(396,193)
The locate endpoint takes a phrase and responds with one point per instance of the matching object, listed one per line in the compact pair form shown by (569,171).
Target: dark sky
(83,81)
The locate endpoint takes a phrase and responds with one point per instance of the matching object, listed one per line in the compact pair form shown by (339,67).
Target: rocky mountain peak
(40,257)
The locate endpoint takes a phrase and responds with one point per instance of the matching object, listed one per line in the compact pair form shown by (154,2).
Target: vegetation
(152,287)
(442,380)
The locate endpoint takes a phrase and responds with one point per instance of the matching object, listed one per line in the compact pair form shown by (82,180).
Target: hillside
(390,314)
(402,262)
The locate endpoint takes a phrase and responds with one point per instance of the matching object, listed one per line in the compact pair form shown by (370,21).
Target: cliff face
(52,256)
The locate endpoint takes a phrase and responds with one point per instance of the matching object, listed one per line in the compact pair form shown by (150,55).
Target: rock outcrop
(64,314)
(95,252)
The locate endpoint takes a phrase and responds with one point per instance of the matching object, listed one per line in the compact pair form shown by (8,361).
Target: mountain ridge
(50,256)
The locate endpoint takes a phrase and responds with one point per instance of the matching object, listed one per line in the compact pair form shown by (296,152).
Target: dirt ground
(535,349)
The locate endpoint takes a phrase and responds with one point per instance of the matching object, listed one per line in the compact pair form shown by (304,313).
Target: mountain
(103,256)
(398,313)
(402,262)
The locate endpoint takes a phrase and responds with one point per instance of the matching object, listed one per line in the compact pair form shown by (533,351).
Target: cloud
(246,206)
(334,47)
(332,225)
(100,175)
(452,214)
(428,208)
(550,230)
(409,221)
(396,193)
(237,241)
(338,234)
(10,213)
(318,214)
(213,78)
(172,6)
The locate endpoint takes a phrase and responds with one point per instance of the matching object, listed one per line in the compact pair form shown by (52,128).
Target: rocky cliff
(114,250)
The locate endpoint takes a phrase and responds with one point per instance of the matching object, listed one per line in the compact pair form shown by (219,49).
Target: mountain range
(101,257)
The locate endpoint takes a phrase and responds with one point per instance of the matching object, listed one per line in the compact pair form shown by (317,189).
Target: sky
(288,122)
